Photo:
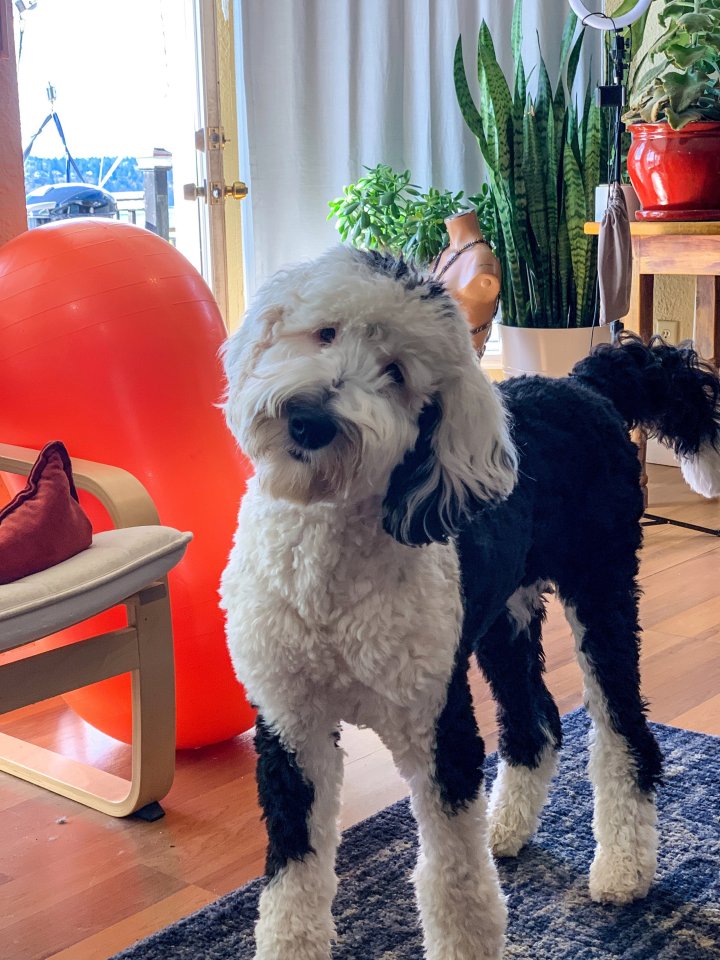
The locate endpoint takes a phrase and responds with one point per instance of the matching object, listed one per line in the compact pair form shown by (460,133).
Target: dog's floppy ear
(463,456)
(241,352)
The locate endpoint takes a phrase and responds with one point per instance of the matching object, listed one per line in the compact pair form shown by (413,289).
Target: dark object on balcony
(60,201)
(155,188)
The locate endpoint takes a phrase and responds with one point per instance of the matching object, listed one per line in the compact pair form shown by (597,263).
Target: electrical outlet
(669,330)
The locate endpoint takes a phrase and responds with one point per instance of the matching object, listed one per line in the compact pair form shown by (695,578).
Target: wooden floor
(75,885)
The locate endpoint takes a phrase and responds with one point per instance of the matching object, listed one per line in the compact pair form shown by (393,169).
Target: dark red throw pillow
(44,524)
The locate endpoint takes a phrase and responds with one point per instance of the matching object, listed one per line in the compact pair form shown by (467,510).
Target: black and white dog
(353,388)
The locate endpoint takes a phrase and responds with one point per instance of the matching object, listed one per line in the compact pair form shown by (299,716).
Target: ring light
(602,22)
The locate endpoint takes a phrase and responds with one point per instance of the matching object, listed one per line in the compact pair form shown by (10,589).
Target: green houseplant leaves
(544,158)
(384,210)
(684,86)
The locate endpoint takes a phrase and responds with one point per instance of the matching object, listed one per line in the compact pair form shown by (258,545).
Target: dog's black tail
(670,392)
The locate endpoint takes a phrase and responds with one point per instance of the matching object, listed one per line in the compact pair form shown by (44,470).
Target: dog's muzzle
(310,427)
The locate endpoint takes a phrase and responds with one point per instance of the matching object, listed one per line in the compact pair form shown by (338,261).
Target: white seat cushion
(117,565)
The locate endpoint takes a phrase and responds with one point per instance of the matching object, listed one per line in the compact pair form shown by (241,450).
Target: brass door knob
(218,191)
(236,191)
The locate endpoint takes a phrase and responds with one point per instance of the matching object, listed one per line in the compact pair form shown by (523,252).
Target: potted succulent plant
(674,116)
(544,158)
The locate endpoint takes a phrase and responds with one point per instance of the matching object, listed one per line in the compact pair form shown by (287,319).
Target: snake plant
(544,157)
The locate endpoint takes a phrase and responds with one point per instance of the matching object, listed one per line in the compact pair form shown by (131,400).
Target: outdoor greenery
(684,86)
(544,157)
(384,210)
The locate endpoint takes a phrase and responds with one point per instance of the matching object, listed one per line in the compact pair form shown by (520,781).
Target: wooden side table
(674,248)
(677,249)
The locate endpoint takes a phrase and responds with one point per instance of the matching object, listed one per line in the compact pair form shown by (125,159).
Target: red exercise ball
(109,342)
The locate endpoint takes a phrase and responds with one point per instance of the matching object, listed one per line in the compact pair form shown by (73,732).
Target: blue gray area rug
(551,914)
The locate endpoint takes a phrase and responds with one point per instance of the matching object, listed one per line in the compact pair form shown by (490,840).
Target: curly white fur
(702,472)
(277,357)
(518,796)
(625,818)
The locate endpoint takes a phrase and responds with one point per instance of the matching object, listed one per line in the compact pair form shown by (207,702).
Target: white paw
(508,833)
(297,948)
(484,942)
(490,950)
(618,878)
(518,795)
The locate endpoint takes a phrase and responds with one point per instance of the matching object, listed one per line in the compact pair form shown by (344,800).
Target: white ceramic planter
(548,352)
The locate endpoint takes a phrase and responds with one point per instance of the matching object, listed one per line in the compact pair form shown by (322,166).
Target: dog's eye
(326,335)
(393,371)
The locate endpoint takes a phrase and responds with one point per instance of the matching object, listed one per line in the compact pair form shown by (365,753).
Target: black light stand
(611,96)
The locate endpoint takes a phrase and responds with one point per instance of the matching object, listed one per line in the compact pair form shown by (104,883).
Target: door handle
(237,190)
(191,191)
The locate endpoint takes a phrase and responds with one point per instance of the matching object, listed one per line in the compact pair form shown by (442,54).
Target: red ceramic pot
(676,173)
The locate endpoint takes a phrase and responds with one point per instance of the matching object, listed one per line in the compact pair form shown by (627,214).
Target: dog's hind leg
(462,909)
(511,657)
(625,761)
(299,791)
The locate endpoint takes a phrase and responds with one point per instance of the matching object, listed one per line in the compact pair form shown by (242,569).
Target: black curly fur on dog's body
(285,796)
(573,520)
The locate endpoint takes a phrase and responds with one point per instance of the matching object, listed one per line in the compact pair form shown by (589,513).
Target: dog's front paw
(298,947)
(618,878)
(290,929)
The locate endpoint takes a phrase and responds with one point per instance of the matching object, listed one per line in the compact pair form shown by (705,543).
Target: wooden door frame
(13,215)
(217,139)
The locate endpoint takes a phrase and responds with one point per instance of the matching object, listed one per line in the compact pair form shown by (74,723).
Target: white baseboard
(658,453)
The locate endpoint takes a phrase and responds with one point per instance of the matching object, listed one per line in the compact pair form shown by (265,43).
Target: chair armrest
(123,496)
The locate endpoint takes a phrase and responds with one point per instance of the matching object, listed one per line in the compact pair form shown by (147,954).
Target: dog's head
(353,377)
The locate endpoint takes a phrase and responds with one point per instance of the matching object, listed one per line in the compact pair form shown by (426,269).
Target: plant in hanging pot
(674,117)
(544,159)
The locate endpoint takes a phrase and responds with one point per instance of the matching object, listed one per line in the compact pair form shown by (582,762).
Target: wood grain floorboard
(85,889)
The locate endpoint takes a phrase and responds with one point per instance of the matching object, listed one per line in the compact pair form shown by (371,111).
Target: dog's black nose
(311,427)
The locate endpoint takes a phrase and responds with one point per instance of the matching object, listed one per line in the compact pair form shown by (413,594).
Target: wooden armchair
(129,565)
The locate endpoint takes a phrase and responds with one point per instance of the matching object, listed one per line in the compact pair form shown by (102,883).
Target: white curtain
(326,87)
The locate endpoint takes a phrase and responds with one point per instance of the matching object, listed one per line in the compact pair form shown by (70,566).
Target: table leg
(639,437)
(646,296)
(707,318)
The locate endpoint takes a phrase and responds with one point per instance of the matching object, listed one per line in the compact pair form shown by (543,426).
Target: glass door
(123,97)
